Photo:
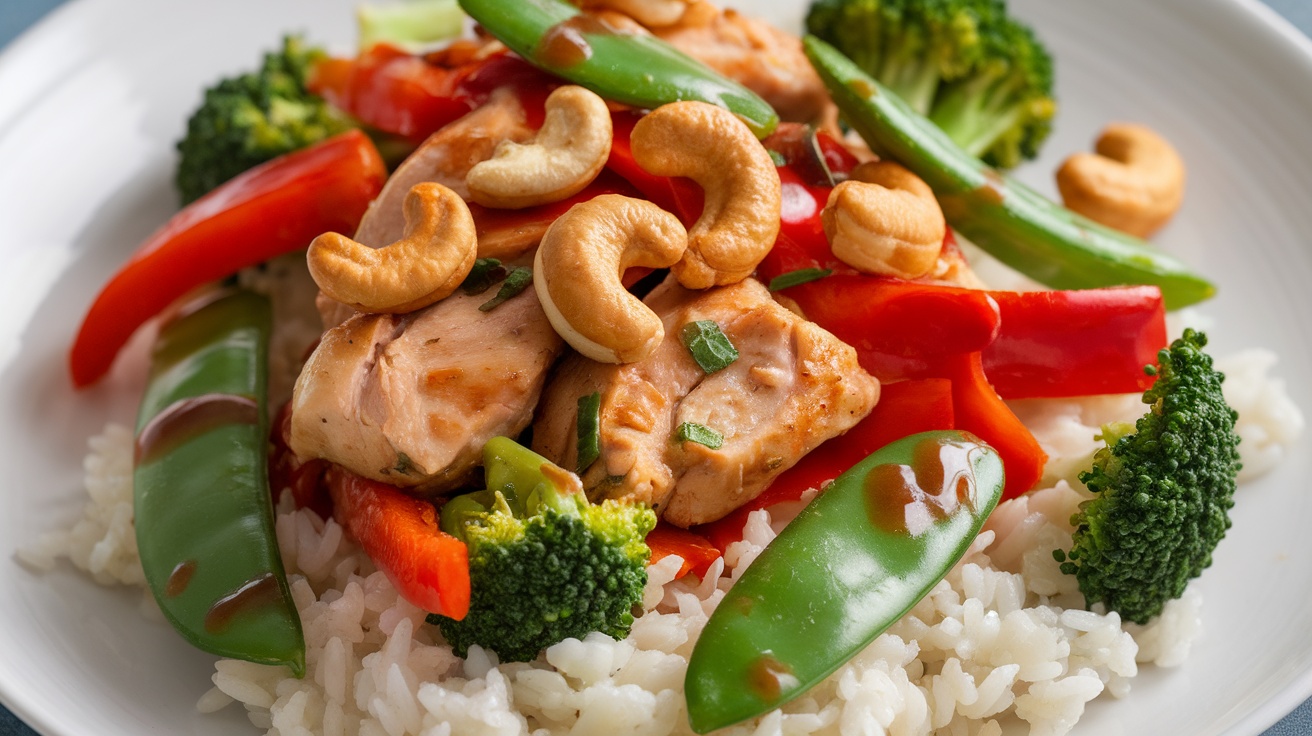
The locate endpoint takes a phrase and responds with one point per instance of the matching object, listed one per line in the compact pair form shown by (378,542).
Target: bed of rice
(1002,642)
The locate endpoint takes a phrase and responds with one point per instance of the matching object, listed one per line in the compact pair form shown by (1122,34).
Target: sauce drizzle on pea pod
(204,516)
(850,565)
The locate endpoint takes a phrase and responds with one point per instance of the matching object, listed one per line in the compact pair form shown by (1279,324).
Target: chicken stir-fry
(792,387)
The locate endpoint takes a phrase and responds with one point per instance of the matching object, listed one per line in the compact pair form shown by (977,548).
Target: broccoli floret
(545,564)
(252,118)
(1163,490)
(980,74)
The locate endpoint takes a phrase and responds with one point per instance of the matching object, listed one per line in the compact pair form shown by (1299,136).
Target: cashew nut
(427,264)
(885,220)
(740,219)
(577,274)
(1134,182)
(650,13)
(564,157)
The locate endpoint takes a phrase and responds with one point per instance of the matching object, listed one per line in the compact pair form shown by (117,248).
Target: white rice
(1004,640)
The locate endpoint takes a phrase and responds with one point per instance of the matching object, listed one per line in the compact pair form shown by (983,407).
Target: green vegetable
(855,560)
(1014,223)
(252,118)
(699,433)
(1164,487)
(544,563)
(519,279)
(709,346)
(589,430)
(203,514)
(638,70)
(980,74)
(486,271)
(410,25)
(798,277)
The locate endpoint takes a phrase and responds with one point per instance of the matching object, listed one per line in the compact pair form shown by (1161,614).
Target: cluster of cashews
(440,243)
(579,265)
(1133,182)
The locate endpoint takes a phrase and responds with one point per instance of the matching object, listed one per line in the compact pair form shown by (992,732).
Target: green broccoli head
(545,564)
(978,73)
(252,118)
(1163,490)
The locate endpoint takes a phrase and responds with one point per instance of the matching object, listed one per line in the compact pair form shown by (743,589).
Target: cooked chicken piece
(411,399)
(446,157)
(793,386)
(763,58)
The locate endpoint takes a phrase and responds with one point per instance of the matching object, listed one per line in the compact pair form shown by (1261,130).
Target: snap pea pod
(638,70)
(1014,223)
(204,517)
(851,564)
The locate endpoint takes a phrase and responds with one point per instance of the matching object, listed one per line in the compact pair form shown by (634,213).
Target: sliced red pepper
(1076,343)
(429,567)
(275,208)
(904,408)
(393,91)
(697,552)
(678,195)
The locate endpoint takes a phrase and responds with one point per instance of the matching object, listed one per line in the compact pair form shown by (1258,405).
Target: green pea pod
(850,565)
(204,516)
(637,70)
(1012,222)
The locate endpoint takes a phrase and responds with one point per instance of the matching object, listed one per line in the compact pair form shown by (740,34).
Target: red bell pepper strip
(275,208)
(429,567)
(697,552)
(904,408)
(1076,343)
(677,195)
(395,92)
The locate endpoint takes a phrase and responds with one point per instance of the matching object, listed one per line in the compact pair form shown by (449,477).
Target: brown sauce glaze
(179,579)
(863,89)
(994,188)
(254,594)
(565,44)
(769,678)
(187,419)
(907,499)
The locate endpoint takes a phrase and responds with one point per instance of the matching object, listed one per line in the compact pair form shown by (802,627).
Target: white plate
(92,99)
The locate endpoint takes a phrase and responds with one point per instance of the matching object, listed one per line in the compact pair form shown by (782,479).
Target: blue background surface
(17,15)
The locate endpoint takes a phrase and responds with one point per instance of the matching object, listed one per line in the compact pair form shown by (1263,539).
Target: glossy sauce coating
(909,499)
(190,418)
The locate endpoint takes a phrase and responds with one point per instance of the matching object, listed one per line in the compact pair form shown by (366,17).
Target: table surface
(17,15)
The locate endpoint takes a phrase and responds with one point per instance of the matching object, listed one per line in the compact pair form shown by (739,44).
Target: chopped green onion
(776,157)
(800,276)
(709,345)
(517,281)
(589,430)
(701,434)
(486,271)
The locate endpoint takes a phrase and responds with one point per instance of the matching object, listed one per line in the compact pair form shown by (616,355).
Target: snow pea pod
(1014,223)
(204,517)
(638,70)
(851,564)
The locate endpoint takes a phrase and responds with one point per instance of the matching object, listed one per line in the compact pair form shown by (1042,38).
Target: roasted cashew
(885,220)
(427,264)
(577,274)
(650,13)
(1133,183)
(564,157)
(740,219)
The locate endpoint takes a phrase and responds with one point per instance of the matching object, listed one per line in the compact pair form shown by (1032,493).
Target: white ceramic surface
(92,98)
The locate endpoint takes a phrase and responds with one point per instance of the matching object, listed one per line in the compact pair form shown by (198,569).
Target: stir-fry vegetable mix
(528,559)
